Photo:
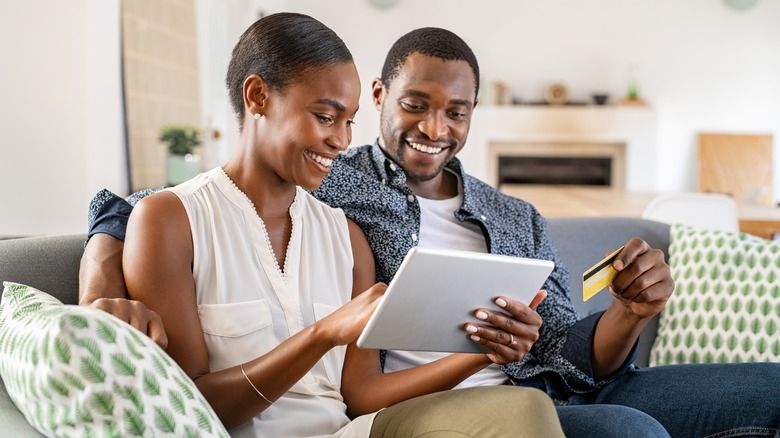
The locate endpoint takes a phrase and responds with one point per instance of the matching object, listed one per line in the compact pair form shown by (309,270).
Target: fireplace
(623,136)
(551,163)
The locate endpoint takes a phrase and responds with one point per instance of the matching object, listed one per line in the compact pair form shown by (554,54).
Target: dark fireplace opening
(558,170)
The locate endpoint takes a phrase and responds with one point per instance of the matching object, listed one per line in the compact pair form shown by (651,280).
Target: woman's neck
(271,195)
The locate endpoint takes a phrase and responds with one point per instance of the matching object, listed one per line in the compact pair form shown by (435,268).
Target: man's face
(425,114)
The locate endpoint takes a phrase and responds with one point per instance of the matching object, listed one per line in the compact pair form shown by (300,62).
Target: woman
(252,276)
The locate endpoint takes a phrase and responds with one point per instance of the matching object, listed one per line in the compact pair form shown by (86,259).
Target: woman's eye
(325,120)
(350,123)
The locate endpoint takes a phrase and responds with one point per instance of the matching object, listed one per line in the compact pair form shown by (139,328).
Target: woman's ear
(255,94)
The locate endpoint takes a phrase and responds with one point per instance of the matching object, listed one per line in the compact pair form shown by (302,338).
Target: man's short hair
(429,41)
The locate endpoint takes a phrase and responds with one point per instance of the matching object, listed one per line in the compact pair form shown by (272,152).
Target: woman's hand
(344,325)
(510,336)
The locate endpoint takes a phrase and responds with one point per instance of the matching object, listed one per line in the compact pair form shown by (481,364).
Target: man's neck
(443,186)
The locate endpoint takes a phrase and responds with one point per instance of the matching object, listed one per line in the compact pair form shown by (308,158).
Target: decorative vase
(180,168)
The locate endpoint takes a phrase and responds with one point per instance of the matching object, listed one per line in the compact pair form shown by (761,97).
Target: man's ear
(377,92)
(255,95)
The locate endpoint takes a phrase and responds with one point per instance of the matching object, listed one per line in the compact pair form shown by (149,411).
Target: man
(403,190)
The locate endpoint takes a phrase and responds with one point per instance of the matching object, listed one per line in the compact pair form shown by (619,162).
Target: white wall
(702,67)
(59,118)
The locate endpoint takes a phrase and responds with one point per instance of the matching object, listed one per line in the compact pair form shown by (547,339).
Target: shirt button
(384,181)
(414,237)
(483,217)
(392,167)
(410,198)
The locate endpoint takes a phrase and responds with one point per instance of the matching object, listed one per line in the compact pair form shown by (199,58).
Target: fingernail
(475,338)
(481,315)
(471,329)
(500,302)
(618,264)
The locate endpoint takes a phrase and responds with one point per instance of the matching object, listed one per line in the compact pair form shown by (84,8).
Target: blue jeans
(707,400)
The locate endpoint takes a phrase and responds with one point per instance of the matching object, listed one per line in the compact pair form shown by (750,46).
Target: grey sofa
(51,264)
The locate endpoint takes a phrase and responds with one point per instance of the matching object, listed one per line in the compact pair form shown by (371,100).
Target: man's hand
(102,286)
(509,336)
(137,315)
(644,282)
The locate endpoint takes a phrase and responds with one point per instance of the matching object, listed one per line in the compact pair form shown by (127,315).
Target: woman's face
(308,123)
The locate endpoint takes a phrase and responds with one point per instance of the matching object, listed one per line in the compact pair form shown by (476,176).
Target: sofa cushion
(726,304)
(78,371)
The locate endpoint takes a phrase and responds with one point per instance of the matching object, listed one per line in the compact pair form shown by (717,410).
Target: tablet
(436,291)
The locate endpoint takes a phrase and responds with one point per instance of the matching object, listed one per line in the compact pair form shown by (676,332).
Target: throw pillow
(726,304)
(80,372)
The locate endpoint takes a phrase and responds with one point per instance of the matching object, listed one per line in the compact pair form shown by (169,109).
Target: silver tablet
(436,291)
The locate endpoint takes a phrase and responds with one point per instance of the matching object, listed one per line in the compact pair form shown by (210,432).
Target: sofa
(51,264)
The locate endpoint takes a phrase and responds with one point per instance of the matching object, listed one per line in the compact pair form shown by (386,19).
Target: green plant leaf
(122,365)
(103,402)
(92,371)
(151,386)
(164,419)
(134,424)
(62,350)
(106,333)
(203,420)
(177,402)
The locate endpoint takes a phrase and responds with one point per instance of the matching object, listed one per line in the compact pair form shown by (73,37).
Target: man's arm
(641,289)
(101,280)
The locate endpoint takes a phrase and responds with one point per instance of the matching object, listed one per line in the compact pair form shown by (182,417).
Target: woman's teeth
(426,149)
(320,159)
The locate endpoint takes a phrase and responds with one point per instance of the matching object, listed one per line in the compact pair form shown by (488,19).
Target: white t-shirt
(248,306)
(439,228)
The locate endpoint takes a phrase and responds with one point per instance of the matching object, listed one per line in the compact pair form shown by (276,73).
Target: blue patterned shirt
(372,191)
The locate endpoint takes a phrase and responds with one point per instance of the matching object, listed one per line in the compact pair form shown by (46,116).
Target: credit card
(595,279)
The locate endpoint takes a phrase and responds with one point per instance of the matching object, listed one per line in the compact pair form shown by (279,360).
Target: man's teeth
(426,149)
(320,159)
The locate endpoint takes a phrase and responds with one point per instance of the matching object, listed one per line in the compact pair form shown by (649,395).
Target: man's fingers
(137,315)
(633,249)
(156,331)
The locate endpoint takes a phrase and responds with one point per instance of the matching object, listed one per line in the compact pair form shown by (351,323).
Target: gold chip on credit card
(595,279)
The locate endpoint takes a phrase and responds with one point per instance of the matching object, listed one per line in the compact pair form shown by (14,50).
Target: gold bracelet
(253,385)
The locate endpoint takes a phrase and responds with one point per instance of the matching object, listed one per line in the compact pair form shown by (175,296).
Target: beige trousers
(485,412)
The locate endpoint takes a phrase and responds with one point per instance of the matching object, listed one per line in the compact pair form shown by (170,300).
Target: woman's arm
(157,264)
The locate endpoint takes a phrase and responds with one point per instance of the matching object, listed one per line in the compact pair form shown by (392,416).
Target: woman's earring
(258,116)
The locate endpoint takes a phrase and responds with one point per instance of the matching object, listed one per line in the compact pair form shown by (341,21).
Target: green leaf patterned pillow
(79,372)
(726,304)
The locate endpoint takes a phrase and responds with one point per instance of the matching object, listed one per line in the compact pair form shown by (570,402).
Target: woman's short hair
(281,48)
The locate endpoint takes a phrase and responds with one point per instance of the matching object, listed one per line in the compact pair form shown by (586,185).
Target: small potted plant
(182,162)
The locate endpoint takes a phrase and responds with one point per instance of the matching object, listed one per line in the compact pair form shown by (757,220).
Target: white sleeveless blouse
(248,306)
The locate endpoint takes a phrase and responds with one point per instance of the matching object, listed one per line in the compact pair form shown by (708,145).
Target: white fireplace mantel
(634,126)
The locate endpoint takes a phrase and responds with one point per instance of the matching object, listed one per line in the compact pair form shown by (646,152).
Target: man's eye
(411,106)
